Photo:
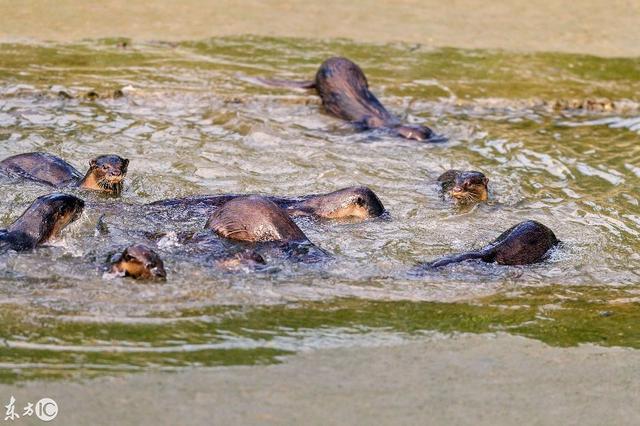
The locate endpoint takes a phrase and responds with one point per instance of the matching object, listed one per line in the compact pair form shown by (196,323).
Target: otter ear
(92,163)
(125,162)
(115,258)
(485,181)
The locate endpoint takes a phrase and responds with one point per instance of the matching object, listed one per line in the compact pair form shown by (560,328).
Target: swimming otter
(43,220)
(257,219)
(254,219)
(464,186)
(525,243)
(345,94)
(105,173)
(138,261)
(357,202)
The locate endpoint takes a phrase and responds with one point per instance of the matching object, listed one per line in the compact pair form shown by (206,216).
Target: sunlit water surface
(557,135)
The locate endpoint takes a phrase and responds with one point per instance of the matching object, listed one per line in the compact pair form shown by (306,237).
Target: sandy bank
(602,27)
(472,379)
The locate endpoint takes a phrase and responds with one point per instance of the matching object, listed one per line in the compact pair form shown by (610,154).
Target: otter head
(470,187)
(414,132)
(106,173)
(357,202)
(254,219)
(140,262)
(47,217)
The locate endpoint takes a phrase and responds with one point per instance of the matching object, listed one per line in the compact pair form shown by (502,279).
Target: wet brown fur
(45,218)
(465,186)
(344,91)
(358,202)
(254,219)
(140,262)
(525,243)
(105,172)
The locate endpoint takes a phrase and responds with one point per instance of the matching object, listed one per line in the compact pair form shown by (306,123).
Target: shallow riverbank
(600,27)
(468,379)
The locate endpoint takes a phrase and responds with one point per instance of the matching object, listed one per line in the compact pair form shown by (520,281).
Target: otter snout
(458,192)
(157,271)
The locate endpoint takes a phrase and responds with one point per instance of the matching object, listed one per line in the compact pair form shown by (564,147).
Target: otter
(525,243)
(464,186)
(254,219)
(138,261)
(47,216)
(358,202)
(105,173)
(345,94)
(259,221)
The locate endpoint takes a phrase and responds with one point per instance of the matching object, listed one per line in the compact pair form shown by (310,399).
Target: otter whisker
(105,184)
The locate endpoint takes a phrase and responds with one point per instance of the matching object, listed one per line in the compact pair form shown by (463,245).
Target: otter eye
(360,201)
(105,167)
(127,257)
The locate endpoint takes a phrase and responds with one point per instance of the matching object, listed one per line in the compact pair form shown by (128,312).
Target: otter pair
(49,214)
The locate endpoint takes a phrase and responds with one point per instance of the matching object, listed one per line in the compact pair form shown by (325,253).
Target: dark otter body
(254,219)
(105,172)
(357,202)
(240,234)
(345,94)
(464,186)
(44,219)
(258,220)
(525,243)
(208,249)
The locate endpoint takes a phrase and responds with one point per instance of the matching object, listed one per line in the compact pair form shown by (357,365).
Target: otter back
(254,219)
(525,243)
(41,167)
(344,91)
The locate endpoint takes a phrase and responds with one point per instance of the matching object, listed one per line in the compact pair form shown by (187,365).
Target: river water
(556,134)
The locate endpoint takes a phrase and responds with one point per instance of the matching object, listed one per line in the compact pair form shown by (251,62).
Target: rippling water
(557,135)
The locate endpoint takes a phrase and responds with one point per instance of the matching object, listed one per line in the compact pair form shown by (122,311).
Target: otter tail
(289,84)
(456,258)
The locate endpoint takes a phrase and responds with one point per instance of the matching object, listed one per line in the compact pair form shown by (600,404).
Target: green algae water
(558,136)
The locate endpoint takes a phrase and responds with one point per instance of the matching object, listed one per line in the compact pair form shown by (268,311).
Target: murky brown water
(192,122)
